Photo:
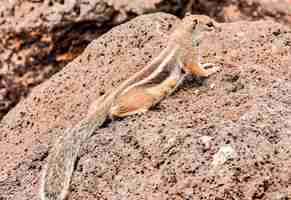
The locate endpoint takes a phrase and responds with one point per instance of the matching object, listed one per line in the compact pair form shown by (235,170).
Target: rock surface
(39,37)
(234,10)
(160,155)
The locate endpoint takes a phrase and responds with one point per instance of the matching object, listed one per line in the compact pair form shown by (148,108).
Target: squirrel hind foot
(120,111)
(118,114)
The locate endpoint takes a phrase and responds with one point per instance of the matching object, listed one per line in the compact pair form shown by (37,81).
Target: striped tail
(61,162)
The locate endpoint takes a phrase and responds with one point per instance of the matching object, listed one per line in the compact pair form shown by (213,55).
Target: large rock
(225,137)
(39,37)
(64,99)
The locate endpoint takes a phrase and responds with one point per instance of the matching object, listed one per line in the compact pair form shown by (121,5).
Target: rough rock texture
(22,15)
(226,137)
(96,71)
(234,10)
(39,37)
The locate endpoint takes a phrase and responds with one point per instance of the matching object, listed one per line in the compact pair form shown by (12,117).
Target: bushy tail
(62,158)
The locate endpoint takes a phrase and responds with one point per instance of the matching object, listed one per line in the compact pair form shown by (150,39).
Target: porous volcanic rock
(171,151)
(38,38)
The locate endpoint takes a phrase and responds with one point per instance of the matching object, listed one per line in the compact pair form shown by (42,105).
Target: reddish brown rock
(39,37)
(160,155)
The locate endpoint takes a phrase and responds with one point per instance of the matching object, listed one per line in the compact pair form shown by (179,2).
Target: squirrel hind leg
(134,101)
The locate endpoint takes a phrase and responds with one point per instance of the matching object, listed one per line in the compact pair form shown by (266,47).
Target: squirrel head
(200,23)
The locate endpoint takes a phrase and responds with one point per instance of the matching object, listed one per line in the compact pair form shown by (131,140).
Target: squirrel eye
(209,24)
